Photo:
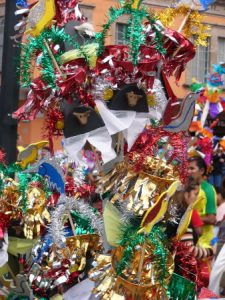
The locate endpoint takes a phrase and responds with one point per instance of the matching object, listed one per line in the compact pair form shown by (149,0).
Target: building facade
(96,13)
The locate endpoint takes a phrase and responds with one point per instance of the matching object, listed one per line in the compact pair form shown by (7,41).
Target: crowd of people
(204,240)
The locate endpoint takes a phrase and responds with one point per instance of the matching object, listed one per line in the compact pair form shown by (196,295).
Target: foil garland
(193,26)
(65,204)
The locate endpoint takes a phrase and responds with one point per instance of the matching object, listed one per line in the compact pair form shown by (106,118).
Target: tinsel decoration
(36,46)
(193,28)
(85,211)
(24,180)
(135,35)
(8,171)
(181,288)
(157,238)
(83,225)
(50,129)
(147,142)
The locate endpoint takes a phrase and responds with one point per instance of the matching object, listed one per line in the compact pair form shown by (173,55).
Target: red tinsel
(186,264)
(84,190)
(67,11)
(35,102)
(2,156)
(53,115)
(4,223)
(178,53)
(147,141)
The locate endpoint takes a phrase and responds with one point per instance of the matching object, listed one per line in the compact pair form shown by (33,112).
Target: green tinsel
(24,180)
(83,225)
(134,240)
(135,35)
(157,238)
(181,289)
(6,172)
(34,46)
(161,253)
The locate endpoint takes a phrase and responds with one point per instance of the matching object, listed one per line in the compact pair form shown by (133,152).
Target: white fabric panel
(3,251)
(113,123)
(99,138)
(137,126)
(73,145)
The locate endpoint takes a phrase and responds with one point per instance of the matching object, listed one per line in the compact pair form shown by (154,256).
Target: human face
(195,172)
(190,197)
(44,153)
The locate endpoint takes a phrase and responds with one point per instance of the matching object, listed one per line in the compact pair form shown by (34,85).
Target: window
(221,54)
(199,66)
(120,33)
(221,50)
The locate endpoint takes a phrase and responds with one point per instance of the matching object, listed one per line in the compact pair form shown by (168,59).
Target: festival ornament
(82,125)
(29,154)
(156,213)
(128,113)
(40,17)
(182,288)
(182,121)
(84,210)
(191,26)
(132,272)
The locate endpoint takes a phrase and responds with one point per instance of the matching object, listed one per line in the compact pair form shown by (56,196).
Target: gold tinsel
(193,27)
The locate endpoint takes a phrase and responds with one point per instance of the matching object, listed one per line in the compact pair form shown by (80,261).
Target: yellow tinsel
(193,27)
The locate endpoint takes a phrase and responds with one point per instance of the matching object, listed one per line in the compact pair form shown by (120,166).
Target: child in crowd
(188,251)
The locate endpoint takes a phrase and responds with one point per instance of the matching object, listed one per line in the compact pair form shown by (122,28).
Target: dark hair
(217,189)
(199,162)
(179,195)
(46,148)
(191,185)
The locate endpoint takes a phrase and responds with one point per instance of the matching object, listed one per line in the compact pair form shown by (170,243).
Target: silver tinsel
(56,228)
(156,112)
(99,86)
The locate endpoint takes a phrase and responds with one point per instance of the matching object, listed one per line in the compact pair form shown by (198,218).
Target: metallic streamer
(56,229)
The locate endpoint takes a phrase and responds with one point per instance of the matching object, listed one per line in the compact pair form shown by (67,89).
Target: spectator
(188,252)
(206,207)
(206,204)
(218,171)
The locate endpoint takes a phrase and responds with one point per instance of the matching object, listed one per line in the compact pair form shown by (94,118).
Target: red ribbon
(35,101)
(65,12)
